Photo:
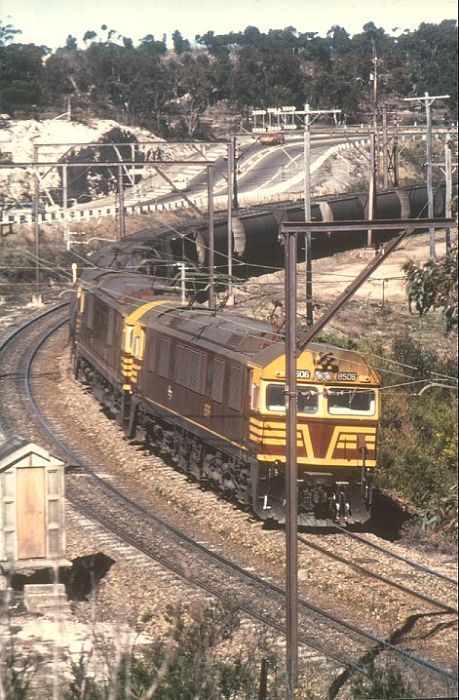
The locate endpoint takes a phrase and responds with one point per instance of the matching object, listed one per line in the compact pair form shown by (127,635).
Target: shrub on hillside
(381,683)
(418,437)
(433,285)
(194,661)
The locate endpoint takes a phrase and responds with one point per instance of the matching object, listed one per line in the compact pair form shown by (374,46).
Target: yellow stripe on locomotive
(134,340)
(338,411)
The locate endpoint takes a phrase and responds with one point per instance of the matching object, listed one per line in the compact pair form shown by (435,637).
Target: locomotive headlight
(323,375)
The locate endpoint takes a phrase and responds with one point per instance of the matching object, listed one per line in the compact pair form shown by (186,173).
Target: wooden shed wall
(32,510)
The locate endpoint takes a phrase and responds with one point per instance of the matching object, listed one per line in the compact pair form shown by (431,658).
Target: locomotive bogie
(323,497)
(194,454)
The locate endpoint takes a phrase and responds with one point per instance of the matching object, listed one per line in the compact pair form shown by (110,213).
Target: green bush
(381,683)
(190,664)
(418,438)
(433,285)
(442,514)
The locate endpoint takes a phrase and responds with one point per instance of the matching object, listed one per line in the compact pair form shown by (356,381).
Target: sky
(49,22)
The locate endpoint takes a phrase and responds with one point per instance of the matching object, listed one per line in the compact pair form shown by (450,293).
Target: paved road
(259,168)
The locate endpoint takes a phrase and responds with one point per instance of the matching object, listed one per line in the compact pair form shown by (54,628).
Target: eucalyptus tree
(21,71)
(180,44)
(430,55)
(194,88)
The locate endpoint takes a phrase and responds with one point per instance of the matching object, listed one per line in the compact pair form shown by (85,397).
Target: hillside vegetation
(172,91)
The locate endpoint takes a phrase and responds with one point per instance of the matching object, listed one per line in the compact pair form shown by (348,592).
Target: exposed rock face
(53,138)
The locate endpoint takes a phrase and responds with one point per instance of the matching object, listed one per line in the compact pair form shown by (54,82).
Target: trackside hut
(32,534)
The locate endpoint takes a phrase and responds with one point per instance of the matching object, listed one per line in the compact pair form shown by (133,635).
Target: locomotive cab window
(129,332)
(275,397)
(351,401)
(90,313)
(136,351)
(308,398)
(110,327)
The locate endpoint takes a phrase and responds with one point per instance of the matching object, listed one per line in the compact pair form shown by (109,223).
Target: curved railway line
(362,556)
(337,643)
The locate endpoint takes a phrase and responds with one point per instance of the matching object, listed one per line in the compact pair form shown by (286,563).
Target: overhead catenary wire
(50,268)
(231,321)
(135,302)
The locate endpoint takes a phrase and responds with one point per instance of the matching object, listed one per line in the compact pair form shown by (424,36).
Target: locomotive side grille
(216,388)
(189,369)
(164,356)
(235,382)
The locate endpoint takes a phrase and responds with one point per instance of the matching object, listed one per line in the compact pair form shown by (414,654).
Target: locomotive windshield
(308,398)
(346,401)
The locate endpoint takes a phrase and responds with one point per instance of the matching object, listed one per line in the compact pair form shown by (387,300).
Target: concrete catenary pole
(307,200)
(36,223)
(121,212)
(448,189)
(371,188)
(307,212)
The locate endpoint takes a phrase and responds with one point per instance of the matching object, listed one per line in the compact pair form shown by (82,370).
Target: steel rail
(410,562)
(379,577)
(22,327)
(304,605)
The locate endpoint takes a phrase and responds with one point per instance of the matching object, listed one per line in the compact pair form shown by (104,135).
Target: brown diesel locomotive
(208,390)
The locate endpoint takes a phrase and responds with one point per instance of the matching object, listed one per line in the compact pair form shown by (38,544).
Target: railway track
(406,569)
(334,642)
(16,352)
(257,598)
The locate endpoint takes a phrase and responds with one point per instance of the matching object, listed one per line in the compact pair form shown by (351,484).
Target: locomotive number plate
(346,376)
